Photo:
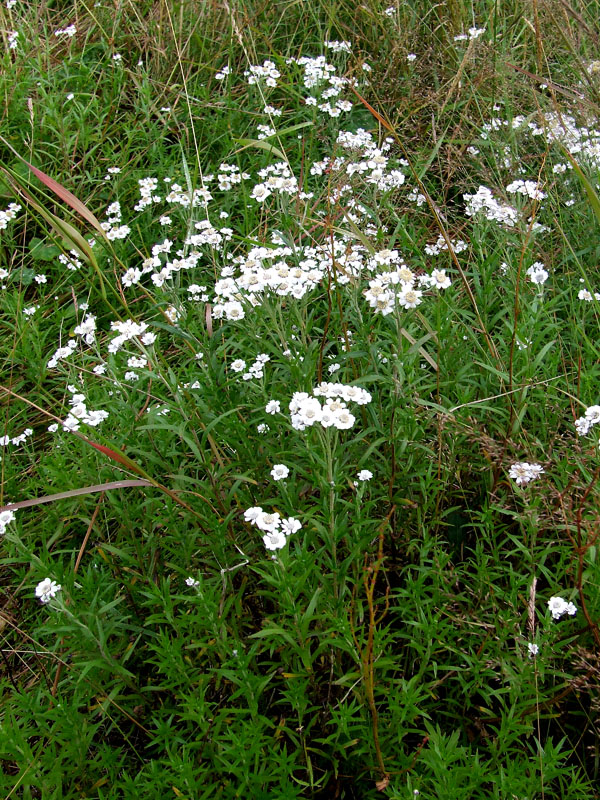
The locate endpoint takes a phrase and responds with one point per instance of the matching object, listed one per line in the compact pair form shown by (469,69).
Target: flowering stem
(325,438)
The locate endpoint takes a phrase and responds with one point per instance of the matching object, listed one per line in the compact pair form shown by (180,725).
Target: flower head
(6,517)
(279,472)
(558,607)
(523,472)
(47,589)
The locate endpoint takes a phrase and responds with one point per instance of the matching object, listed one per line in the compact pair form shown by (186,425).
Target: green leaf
(39,251)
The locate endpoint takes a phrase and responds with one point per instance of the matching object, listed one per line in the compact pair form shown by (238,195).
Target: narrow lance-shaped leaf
(61,192)
(589,189)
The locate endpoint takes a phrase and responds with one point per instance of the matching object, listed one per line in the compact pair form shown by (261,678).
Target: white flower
(522,472)
(47,589)
(409,297)
(239,365)
(279,472)
(592,413)
(557,607)
(537,274)
(192,581)
(268,522)
(365,475)
(343,420)
(290,525)
(571,609)
(533,648)
(6,517)
(260,193)
(274,540)
(273,407)
(251,514)
(440,279)
(310,411)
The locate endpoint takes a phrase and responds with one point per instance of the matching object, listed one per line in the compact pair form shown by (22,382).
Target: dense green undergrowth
(310,357)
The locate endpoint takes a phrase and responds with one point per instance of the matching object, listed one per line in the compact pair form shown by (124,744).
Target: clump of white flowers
(79,414)
(483,202)
(8,215)
(537,273)
(589,419)
(69,31)
(558,607)
(275,529)
(306,409)
(268,73)
(522,472)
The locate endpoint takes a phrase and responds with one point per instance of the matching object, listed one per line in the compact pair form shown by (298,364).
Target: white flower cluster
(338,47)
(457,245)
(372,163)
(229,176)
(69,31)
(6,517)
(148,187)
(585,294)
(558,607)
(537,273)
(87,329)
(62,353)
(73,262)
(198,197)
(577,139)
(527,188)
(223,73)
(13,37)
(522,472)
(112,227)
(79,414)
(255,370)
(8,215)
(589,419)
(473,33)
(265,131)
(47,589)
(306,410)
(316,72)
(198,293)
(275,529)
(268,73)
(127,330)
(398,286)
(16,440)
(484,202)
(276,178)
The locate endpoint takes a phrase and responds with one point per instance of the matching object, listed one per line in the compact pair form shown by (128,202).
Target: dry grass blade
(51,498)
